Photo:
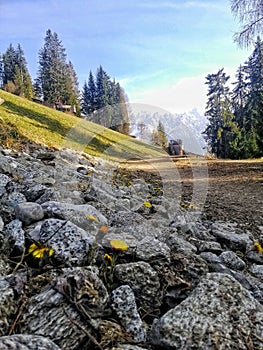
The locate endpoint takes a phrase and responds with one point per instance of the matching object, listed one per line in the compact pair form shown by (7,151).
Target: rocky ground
(141,255)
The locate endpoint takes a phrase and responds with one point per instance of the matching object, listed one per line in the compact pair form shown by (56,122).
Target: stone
(231,260)
(78,291)
(257,271)
(153,251)
(180,245)
(26,342)
(1,224)
(210,257)
(219,308)
(70,243)
(4,180)
(8,305)
(13,199)
(230,236)
(124,305)
(85,216)
(15,236)
(212,246)
(144,281)
(29,212)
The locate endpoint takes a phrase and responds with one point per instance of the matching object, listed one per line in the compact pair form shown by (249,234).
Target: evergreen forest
(235,128)
(101,100)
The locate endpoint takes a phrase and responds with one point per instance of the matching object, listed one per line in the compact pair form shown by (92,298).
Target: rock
(70,243)
(29,212)
(257,271)
(228,235)
(213,247)
(255,257)
(26,342)
(15,237)
(8,305)
(4,180)
(1,224)
(231,260)
(49,313)
(13,199)
(84,216)
(219,308)
(127,347)
(180,245)
(144,282)
(210,257)
(123,303)
(153,251)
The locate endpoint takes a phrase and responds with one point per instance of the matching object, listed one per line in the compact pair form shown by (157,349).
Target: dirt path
(231,190)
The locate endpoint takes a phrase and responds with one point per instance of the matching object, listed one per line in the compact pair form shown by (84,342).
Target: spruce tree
(218,110)
(9,64)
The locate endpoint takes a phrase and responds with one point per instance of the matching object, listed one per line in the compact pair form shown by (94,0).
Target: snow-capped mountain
(187,126)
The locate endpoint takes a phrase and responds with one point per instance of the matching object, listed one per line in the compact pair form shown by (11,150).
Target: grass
(23,121)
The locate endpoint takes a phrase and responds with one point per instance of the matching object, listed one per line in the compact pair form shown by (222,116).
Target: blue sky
(159,50)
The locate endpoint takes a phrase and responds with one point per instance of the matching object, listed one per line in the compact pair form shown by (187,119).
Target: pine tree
(253,123)
(1,72)
(9,64)
(159,137)
(218,110)
(88,102)
(58,78)
(15,75)
(22,78)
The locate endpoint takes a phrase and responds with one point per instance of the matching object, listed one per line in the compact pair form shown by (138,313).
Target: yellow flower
(258,247)
(108,257)
(38,250)
(118,244)
(91,217)
(147,204)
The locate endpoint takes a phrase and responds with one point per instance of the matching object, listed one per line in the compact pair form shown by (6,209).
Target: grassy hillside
(22,121)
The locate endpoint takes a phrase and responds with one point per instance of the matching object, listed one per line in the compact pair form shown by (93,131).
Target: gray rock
(13,199)
(218,314)
(1,224)
(180,245)
(26,342)
(255,257)
(15,236)
(70,243)
(257,271)
(153,251)
(8,305)
(144,281)
(78,292)
(210,257)
(29,212)
(127,347)
(123,303)
(230,236)
(231,260)
(213,247)
(34,191)
(4,180)
(84,216)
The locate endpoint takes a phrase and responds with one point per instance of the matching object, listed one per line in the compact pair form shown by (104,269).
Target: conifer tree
(218,109)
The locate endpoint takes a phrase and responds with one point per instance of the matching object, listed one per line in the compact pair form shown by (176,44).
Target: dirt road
(231,190)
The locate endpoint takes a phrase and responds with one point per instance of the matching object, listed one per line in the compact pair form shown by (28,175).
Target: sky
(159,50)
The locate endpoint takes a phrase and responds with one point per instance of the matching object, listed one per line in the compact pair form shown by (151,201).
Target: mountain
(187,126)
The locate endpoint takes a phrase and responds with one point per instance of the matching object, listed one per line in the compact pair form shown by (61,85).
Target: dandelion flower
(258,247)
(147,204)
(38,250)
(91,217)
(118,244)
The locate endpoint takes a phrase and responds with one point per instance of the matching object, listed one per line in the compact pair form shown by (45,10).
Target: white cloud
(183,96)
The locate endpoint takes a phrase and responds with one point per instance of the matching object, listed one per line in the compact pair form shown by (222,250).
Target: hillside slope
(23,121)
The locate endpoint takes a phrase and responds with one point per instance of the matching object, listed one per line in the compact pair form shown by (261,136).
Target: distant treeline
(235,128)
(101,100)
